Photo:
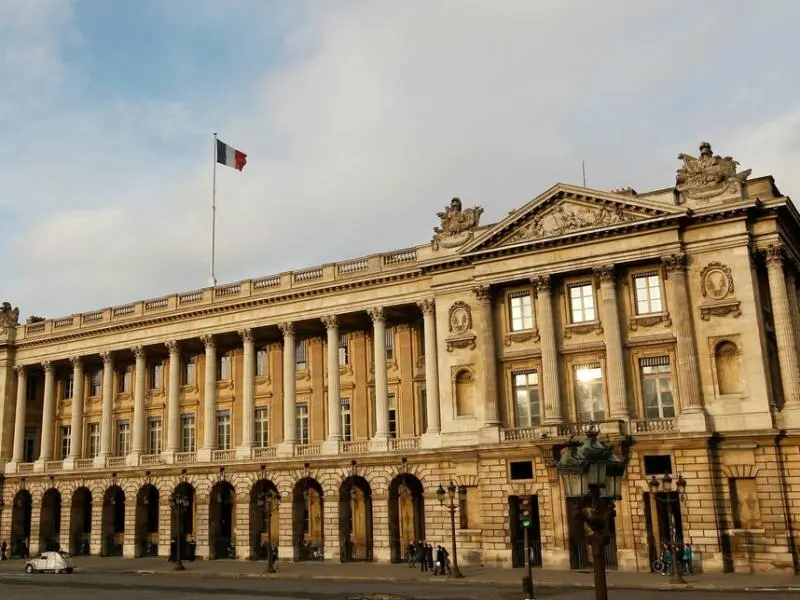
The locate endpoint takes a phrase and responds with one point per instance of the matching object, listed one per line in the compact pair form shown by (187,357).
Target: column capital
(605,273)
(48,367)
(676,262)
(77,362)
(19,370)
(246,335)
(427,306)
(330,321)
(287,329)
(774,254)
(173,347)
(138,351)
(208,341)
(377,314)
(542,283)
(483,293)
(108,357)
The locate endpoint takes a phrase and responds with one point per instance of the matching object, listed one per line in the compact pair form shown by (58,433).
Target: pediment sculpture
(457,225)
(708,175)
(567,217)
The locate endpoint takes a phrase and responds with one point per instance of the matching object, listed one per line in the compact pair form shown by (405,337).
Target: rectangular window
(31,388)
(69,383)
(344,349)
(347,434)
(389,337)
(224,430)
(520,306)
(189,370)
(93,439)
(66,440)
(590,393)
(31,435)
(262,427)
(421,339)
(262,366)
(156,376)
(526,398)
(224,367)
(659,402)
(581,303)
(423,410)
(647,290)
(154,435)
(392,415)
(96,383)
(123,438)
(124,381)
(300,355)
(188,433)
(301,423)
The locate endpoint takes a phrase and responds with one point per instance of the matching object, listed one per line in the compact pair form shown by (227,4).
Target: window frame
(392,406)
(588,362)
(346,419)
(96,383)
(155,375)
(261,435)
(118,437)
(224,429)
(302,417)
(581,283)
(188,421)
(528,387)
(301,352)
(668,375)
(65,440)
(93,439)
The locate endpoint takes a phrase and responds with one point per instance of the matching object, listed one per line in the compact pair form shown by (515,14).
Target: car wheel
(29,568)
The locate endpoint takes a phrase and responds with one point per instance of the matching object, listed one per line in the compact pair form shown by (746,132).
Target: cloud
(361,122)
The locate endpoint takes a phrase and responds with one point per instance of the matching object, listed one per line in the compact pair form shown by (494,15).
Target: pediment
(564,211)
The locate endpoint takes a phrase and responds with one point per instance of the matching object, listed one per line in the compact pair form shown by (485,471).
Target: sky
(360,119)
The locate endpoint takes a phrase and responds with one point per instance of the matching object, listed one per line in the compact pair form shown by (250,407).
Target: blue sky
(361,119)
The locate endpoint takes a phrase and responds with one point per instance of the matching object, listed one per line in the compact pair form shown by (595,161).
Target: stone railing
(221,455)
(151,459)
(307,450)
(268,452)
(523,434)
(653,425)
(408,259)
(25,468)
(359,447)
(404,444)
(115,461)
(183,458)
(84,463)
(54,465)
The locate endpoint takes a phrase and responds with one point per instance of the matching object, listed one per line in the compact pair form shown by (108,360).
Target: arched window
(728,361)
(465,393)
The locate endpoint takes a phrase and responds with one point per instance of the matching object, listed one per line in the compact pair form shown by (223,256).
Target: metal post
(268,517)
(178,558)
(673,538)
(212,281)
(598,543)
(456,572)
(529,592)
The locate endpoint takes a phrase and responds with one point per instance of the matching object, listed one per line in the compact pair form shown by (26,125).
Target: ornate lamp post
(592,473)
(266,500)
(669,500)
(451,505)
(180,502)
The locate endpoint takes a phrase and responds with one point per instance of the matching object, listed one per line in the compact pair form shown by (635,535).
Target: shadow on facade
(355,519)
(221,510)
(113,521)
(80,522)
(307,514)
(260,521)
(406,514)
(50,521)
(21,515)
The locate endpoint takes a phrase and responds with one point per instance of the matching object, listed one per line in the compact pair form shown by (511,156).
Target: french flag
(230,157)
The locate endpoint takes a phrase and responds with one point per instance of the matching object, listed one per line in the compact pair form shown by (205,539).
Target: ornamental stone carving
(708,175)
(567,217)
(459,322)
(716,285)
(457,225)
(9,319)
(427,306)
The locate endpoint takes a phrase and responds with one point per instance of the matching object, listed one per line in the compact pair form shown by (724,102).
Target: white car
(57,562)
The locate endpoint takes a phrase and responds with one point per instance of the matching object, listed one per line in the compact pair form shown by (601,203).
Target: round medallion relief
(717,281)
(460,318)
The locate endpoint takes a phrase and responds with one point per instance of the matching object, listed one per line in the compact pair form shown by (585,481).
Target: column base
(379,444)
(430,440)
(38,467)
(128,550)
(204,455)
(132,460)
(168,456)
(614,426)
(285,449)
(695,421)
(789,417)
(69,463)
(100,461)
(331,447)
(489,434)
(10,468)
(244,451)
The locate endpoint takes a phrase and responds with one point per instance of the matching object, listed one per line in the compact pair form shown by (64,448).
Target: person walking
(429,556)
(423,557)
(438,568)
(412,555)
(686,559)
(446,562)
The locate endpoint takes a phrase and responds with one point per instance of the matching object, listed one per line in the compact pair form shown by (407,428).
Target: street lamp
(451,505)
(593,474)
(669,500)
(180,502)
(266,500)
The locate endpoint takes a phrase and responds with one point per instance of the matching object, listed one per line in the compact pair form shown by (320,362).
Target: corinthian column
(139,408)
(173,399)
(784,333)
(19,415)
(108,407)
(286,448)
(692,414)
(48,415)
(615,359)
(209,399)
(428,308)
(248,393)
(491,414)
(76,428)
(794,307)
(379,440)
(547,330)
(331,445)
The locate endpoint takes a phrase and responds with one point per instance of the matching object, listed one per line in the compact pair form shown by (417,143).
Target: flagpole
(212,281)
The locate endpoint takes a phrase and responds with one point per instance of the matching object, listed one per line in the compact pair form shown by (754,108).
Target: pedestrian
(686,559)
(429,556)
(3,548)
(669,559)
(423,557)
(446,562)
(438,568)
(412,554)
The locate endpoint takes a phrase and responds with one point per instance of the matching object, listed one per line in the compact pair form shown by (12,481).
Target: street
(159,587)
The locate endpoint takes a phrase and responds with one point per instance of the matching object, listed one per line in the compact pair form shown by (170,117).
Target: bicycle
(659,566)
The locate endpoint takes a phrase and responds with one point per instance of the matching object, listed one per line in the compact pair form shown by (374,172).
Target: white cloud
(378,113)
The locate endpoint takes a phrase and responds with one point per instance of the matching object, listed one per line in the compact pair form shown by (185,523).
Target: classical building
(353,390)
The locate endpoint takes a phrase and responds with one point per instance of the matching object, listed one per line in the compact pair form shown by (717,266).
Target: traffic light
(525,511)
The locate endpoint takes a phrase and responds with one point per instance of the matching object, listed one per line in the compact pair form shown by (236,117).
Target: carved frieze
(649,321)
(583,328)
(459,323)
(457,225)
(567,217)
(708,175)
(716,285)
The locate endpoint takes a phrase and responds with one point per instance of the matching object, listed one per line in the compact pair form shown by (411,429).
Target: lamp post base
(455,573)
(179,566)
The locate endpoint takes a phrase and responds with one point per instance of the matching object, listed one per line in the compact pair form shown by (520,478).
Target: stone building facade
(352,390)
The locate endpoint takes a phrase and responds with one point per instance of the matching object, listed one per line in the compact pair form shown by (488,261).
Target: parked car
(57,562)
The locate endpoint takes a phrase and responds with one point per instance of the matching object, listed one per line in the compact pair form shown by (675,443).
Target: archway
(21,515)
(183,526)
(113,522)
(307,522)
(146,532)
(406,514)
(355,519)
(80,522)
(264,524)
(50,521)
(221,511)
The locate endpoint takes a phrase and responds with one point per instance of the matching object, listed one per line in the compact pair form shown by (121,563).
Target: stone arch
(307,519)
(728,367)
(355,519)
(740,471)
(50,520)
(21,515)
(113,521)
(80,521)
(182,519)
(464,392)
(222,520)
(406,514)
(265,502)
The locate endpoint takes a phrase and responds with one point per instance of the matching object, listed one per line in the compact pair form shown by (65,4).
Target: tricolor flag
(230,157)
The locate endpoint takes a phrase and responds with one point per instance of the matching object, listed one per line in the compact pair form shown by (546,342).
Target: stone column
(692,416)
(784,335)
(248,394)
(48,416)
(139,409)
(76,427)
(209,400)
(615,358)
(18,452)
(286,448)
(173,400)
(380,439)
(106,424)
(551,382)
(432,436)
(794,306)
(331,445)
(491,414)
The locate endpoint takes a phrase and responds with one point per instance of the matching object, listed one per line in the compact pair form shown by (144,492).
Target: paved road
(168,587)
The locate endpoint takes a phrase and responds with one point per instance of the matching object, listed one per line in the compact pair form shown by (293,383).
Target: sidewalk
(402,573)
